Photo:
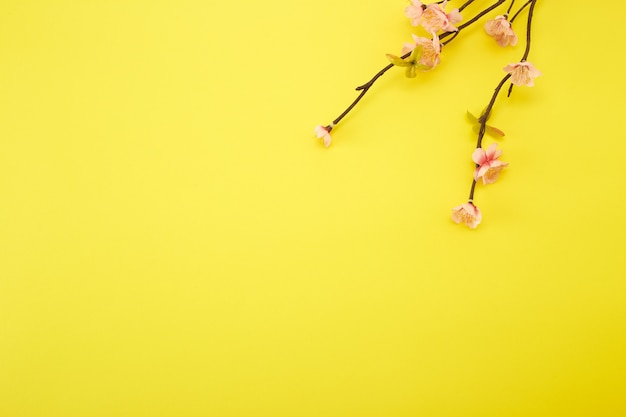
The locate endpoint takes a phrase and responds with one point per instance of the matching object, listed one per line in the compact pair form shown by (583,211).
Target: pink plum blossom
(431,49)
(489,166)
(468,214)
(435,18)
(324,133)
(501,30)
(414,12)
(522,73)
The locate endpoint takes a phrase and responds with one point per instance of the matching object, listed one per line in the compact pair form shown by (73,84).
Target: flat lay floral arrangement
(443,24)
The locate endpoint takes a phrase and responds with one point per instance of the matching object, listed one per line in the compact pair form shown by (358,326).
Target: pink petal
(455,16)
(320,131)
(498,163)
(456,216)
(472,209)
(414,12)
(533,72)
(436,43)
(481,170)
(492,153)
(408,47)
(510,68)
(479,156)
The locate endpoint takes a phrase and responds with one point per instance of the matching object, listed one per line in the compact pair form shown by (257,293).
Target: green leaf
(396,60)
(416,54)
(494,131)
(411,71)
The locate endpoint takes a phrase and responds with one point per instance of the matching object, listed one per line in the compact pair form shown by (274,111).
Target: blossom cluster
(433,17)
(424,54)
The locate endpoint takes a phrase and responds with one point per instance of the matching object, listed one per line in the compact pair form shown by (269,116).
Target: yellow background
(175,242)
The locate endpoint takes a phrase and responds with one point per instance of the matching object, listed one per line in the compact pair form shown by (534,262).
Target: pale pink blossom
(414,11)
(431,49)
(522,73)
(501,30)
(468,214)
(324,133)
(489,166)
(435,18)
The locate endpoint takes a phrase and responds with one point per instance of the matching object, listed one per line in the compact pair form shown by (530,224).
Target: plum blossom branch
(488,166)
(364,88)
(424,55)
(483,125)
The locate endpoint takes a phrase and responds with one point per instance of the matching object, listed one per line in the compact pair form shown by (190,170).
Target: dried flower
(468,214)
(414,12)
(435,18)
(489,166)
(522,73)
(431,49)
(501,30)
(324,133)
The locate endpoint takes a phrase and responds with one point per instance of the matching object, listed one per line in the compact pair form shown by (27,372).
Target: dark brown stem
(454,35)
(510,7)
(528,27)
(467,3)
(483,117)
(471,196)
(520,10)
(363,88)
